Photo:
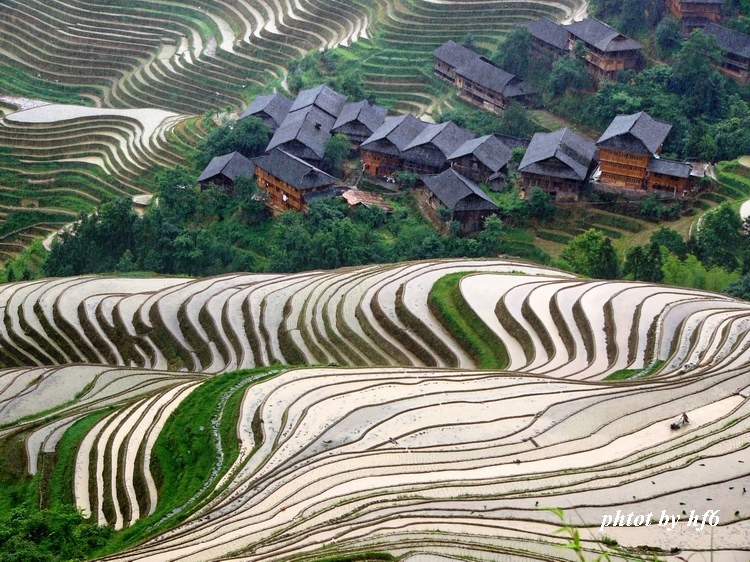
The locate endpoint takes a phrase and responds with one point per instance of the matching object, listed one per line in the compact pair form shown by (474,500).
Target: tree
(644,263)
(541,205)
(740,288)
(568,73)
(719,238)
(248,136)
(491,238)
(517,122)
(668,36)
(514,53)
(671,240)
(336,150)
(694,77)
(591,254)
(632,16)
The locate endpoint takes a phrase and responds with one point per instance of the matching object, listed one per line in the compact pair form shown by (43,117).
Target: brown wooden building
(736,46)
(627,147)
(558,163)
(382,152)
(469,205)
(449,56)
(668,175)
(547,36)
(290,182)
(483,160)
(607,50)
(429,151)
(695,13)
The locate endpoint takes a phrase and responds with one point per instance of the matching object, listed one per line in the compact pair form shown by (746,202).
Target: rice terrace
(462,408)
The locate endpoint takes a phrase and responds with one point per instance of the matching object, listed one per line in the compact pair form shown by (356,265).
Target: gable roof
(733,42)
(309,126)
(294,171)
(670,168)
(482,72)
(231,166)
(396,131)
(322,97)
(275,106)
(549,32)
(446,137)
(453,54)
(638,133)
(487,149)
(371,116)
(601,36)
(457,192)
(561,153)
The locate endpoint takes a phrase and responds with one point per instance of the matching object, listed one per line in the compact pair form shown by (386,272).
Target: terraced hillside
(404,448)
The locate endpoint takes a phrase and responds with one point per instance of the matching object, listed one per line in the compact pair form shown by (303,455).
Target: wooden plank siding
(379,164)
(623,169)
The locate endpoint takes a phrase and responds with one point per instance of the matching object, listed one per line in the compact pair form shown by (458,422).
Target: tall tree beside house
(514,53)
(694,77)
(568,73)
(336,151)
(248,136)
(720,239)
(668,36)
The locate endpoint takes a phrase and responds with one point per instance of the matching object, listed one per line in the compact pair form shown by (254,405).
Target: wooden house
(290,182)
(547,36)
(478,80)
(607,50)
(382,152)
(428,152)
(482,83)
(271,109)
(222,171)
(695,13)
(627,147)
(469,205)
(359,121)
(668,175)
(448,57)
(558,163)
(483,160)
(736,47)
(307,126)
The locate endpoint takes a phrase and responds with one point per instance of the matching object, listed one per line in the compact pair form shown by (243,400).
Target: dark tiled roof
(598,34)
(275,106)
(435,143)
(512,142)
(733,42)
(294,171)
(482,72)
(458,193)
(310,126)
(487,149)
(231,166)
(548,31)
(670,168)
(395,134)
(561,153)
(453,54)
(639,133)
(371,116)
(322,97)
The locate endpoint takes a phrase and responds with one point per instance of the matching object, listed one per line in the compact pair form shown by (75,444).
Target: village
(454,167)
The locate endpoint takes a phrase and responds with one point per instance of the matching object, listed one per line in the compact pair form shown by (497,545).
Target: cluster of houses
(450,160)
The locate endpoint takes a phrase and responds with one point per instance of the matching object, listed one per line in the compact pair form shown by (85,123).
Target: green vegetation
(627,374)
(52,535)
(452,310)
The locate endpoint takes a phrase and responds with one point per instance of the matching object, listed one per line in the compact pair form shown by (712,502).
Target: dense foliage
(51,535)
(208,232)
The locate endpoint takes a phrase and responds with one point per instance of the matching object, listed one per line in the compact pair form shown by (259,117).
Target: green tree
(719,238)
(591,254)
(671,240)
(740,288)
(336,151)
(491,237)
(248,136)
(517,122)
(568,73)
(542,207)
(694,76)
(632,16)
(668,36)
(514,53)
